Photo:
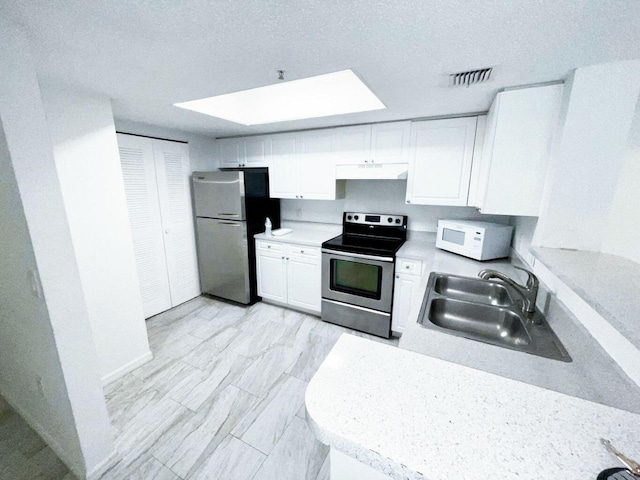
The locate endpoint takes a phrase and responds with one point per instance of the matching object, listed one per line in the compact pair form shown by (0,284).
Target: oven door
(356,279)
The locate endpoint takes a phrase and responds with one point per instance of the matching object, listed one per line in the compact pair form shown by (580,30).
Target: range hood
(373,171)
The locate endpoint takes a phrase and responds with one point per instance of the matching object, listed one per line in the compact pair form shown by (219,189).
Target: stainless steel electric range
(358,271)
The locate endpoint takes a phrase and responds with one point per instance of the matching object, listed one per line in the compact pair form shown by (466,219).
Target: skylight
(320,96)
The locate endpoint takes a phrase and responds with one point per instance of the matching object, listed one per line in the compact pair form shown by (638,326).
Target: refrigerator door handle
(217,182)
(235,224)
(228,214)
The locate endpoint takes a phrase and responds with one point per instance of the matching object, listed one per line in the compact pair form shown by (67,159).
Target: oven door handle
(358,255)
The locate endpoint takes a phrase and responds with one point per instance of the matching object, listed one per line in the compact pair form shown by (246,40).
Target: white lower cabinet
(406,294)
(289,274)
(272,276)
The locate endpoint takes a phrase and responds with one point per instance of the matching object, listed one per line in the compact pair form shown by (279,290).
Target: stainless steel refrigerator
(231,206)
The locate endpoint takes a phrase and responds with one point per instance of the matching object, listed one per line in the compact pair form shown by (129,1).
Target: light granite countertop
(304,233)
(592,375)
(443,406)
(411,416)
(608,283)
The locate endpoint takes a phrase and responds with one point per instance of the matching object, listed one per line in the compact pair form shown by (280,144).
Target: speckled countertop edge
(618,303)
(570,450)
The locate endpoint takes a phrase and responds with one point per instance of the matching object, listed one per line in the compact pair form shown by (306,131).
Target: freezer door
(223,256)
(219,194)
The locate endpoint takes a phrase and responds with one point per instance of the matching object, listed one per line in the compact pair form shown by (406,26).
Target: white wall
(48,364)
(88,164)
(379,196)
(202,149)
(587,157)
(523,232)
(622,235)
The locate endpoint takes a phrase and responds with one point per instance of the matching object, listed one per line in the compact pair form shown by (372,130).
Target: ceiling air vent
(470,77)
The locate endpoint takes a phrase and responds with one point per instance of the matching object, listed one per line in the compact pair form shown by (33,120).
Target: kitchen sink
(485,311)
(497,325)
(473,290)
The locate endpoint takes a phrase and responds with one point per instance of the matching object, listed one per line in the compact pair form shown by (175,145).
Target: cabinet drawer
(262,246)
(303,251)
(413,267)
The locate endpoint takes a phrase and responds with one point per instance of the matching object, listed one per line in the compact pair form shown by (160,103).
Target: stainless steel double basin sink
(485,310)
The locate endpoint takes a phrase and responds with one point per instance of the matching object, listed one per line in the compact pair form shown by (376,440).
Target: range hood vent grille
(470,77)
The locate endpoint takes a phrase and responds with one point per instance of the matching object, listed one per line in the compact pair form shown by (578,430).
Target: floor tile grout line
(165,466)
(266,455)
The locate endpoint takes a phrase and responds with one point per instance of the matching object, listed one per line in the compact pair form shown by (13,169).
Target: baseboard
(122,371)
(49,439)
(291,307)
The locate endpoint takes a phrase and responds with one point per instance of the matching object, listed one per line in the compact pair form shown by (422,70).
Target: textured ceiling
(148,54)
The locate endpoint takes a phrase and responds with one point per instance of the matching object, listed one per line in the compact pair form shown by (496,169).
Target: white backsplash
(379,196)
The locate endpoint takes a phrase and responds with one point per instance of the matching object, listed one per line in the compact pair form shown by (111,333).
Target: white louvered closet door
(173,171)
(141,189)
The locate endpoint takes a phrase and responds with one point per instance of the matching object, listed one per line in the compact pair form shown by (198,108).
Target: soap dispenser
(267,226)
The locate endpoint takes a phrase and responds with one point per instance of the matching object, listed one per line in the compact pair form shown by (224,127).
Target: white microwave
(478,240)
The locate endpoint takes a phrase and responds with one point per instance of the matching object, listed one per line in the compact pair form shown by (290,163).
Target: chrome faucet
(529,292)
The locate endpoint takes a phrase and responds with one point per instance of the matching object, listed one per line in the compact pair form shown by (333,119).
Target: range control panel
(374,219)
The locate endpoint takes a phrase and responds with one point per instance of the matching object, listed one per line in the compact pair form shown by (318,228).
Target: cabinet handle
(301,251)
(287,258)
(408,201)
(282,258)
(407,267)
(268,246)
(301,196)
(397,276)
(366,161)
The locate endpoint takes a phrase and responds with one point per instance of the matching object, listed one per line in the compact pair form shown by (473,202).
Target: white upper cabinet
(516,150)
(440,161)
(390,142)
(244,152)
(231,153)
(317,170)
(303,166)
(283,172)
(352,144)
(257,151)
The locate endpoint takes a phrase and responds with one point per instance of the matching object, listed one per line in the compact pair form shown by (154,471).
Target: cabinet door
(352,144)
(272,276)
(390,142)
(283,170)
(317,168)
(173,171)
(440,164)
(231,153)
(257,151)
(304,281)
(404,297)
(141,189)
(519,136)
